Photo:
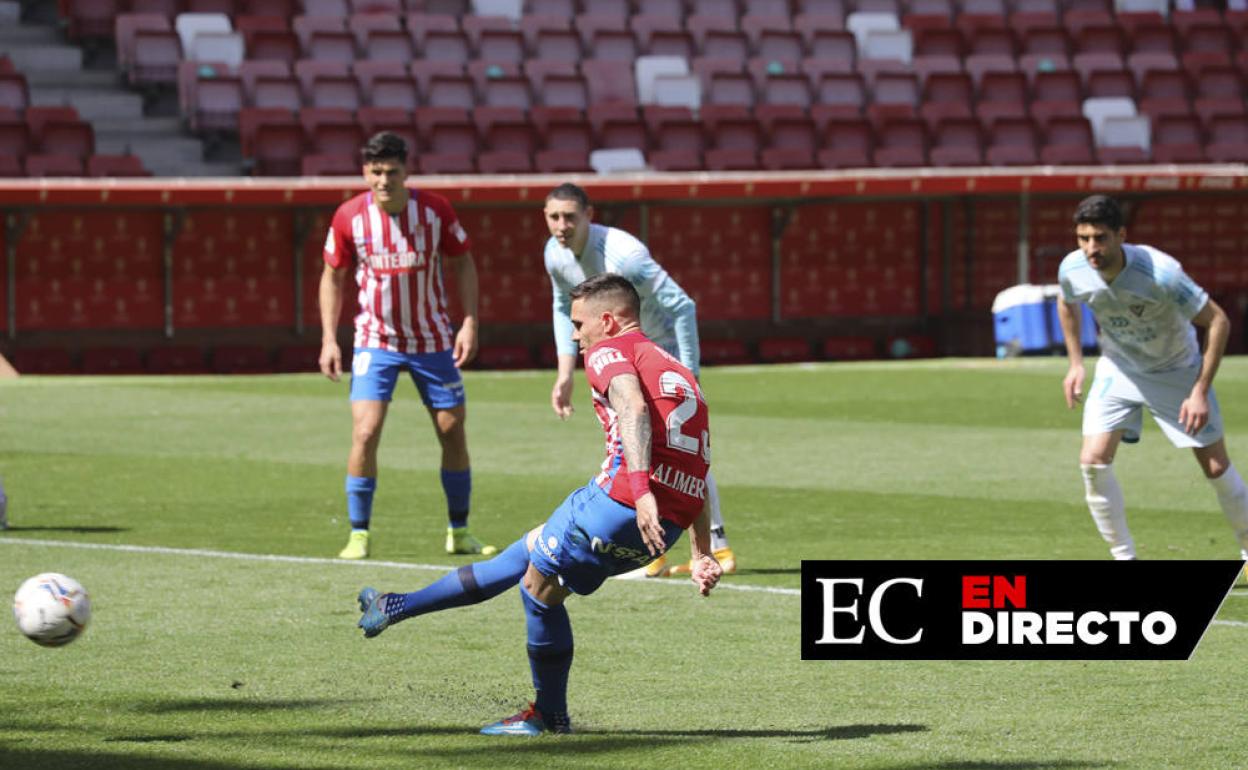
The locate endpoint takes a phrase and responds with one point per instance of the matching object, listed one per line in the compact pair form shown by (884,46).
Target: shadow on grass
(240,705)
(80,530)
(1017,764)
(837,733)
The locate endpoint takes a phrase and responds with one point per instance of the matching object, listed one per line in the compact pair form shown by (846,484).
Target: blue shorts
(374,373)
(591,537)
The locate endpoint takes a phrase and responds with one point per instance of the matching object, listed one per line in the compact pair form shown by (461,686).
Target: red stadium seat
(901,142)
(54,165)
(218,102)
(278,149)
(609,82)
(838,96)
(1068,141)
(792,141)
(562,161)
(1228,139)
(156,57)
(15,138)
(734,142)
(116,166)
(957,142)
(848,143)
(449,141)
(551,38)
(14,93)
(92,19)
(1012,142)
(1178,139)
(947,96)
(10,167)
(1056,94)
(74,139)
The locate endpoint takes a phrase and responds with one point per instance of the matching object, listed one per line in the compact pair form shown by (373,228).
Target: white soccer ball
(51,609)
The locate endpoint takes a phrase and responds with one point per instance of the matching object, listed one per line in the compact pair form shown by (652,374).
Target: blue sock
(470,584)
(550,654)
(458,488)
(360,500)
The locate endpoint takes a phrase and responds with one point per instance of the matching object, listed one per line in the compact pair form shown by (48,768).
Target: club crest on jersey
(1137,310)
(397,262)
(603,358)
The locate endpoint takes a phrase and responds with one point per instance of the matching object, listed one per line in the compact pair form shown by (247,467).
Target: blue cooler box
(1020,321)
(1087,324)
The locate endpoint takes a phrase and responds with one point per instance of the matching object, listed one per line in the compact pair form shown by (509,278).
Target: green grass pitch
(201,656)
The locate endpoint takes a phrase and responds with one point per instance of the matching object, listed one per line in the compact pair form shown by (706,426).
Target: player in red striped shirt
(653,486)
(396,240)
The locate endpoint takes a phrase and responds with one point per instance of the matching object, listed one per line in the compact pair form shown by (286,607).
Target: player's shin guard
(457,485)
(1233,497)
(470,584)
(1108,509)
(550,654)
(719,540)
(360,492)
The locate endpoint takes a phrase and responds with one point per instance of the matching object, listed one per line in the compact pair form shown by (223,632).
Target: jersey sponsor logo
(603,357)
(674,478)
(620,552)
(396,263)
(548,546)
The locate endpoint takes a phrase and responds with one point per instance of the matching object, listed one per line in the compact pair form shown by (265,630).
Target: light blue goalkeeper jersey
(668,315)
(1145,313)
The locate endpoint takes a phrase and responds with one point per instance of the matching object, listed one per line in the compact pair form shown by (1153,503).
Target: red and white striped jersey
(680,451)
(398,268)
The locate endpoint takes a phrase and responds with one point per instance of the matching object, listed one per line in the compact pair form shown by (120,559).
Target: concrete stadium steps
(56,75)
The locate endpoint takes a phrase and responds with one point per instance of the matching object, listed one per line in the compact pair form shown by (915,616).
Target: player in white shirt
(579,249)
(1145,306)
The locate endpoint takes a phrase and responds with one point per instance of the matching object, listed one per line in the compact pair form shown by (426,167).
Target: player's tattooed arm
(633,419)
(629,405)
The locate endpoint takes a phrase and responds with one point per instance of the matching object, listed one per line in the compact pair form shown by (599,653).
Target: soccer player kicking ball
(652,487)
(396,241)
(578,249)
(1145,306)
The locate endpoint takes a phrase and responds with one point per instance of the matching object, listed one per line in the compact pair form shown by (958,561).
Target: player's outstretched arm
(466,280)
(561,393)
(330,295)
(1072,385)
(1194,412)
(706,569)
(629,404)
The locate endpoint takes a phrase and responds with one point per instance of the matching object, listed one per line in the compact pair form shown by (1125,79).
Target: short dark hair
(1099,210)
(609,286)
(384,145)
(569,192)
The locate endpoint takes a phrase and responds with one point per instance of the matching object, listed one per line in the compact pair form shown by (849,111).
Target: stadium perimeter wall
(783,266)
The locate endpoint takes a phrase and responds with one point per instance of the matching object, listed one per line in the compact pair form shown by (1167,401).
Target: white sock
(1108,509)
(718,539)
(1233,497)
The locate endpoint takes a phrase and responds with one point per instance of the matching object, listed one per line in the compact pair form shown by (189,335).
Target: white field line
(211,554)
